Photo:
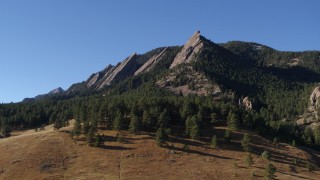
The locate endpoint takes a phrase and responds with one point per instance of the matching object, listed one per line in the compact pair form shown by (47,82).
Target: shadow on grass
(114,147)
(192,151)
(295,175)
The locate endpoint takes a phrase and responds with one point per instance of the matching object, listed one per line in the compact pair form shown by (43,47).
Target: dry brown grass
(54,155)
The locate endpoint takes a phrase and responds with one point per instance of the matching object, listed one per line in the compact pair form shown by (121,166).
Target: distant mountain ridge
(136,64)
(57,91)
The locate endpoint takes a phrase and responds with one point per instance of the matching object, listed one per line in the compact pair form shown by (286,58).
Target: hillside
(50,154)
(174,97)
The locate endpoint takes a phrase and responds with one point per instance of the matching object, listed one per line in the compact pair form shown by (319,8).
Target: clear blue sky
(45,44)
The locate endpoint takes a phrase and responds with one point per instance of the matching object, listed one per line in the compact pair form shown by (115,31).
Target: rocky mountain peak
(191,47)
(56,91)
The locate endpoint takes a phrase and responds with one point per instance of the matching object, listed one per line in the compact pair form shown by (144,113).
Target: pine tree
(189,124)
(249,159)
(146,119)
(227,135)
(160,137)
(317,135)
(57,124)
(119,137)
(213,117)
(83,114)
(245,142)
(186,147)
(188,109)
(91,137)
(99,141)
(308,134)
(195,131)
(266,155)
(53,117)
(77,128)
(232,121)
(309,140)
(118,121)
(134,124)
(199,116)
(275,142)
(5,129)
(164,119)
(270,170)
(103,116)
(293,143)
(86,127)
(214,142)
(310,166)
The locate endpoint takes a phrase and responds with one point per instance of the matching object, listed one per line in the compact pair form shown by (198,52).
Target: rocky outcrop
(59,90)
(314,107)
(192,47)
(104,78)
(245,103)
(311,116)
(97,78)
(294,62)
(314,96)
(93,79)
(185,80)
(122,70)
(149,65)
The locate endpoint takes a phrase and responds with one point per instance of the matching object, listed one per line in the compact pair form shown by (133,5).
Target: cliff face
(314,107)
(95,78)
(192,47)
(122,70)
(311,117)
(109,74)
(149,65)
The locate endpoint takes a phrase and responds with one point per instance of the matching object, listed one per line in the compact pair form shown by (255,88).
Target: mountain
(237,85)
(55,92)
(202,102)
(193,46)
(59,90)
(243,60)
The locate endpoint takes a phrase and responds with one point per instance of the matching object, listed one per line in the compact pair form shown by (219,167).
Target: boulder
(245,103)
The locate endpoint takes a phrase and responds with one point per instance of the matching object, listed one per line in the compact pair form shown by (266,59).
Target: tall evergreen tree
(5,129)
(317,135)
(118,121)
(214,142)
(270,170)
(195,130)
(160,137)
(232,121)
(146,119)
(245,142)
(103,115)
(164,119)
(77,127)
(135,124)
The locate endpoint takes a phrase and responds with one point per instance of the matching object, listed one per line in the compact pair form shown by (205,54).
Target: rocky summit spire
(192,46)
